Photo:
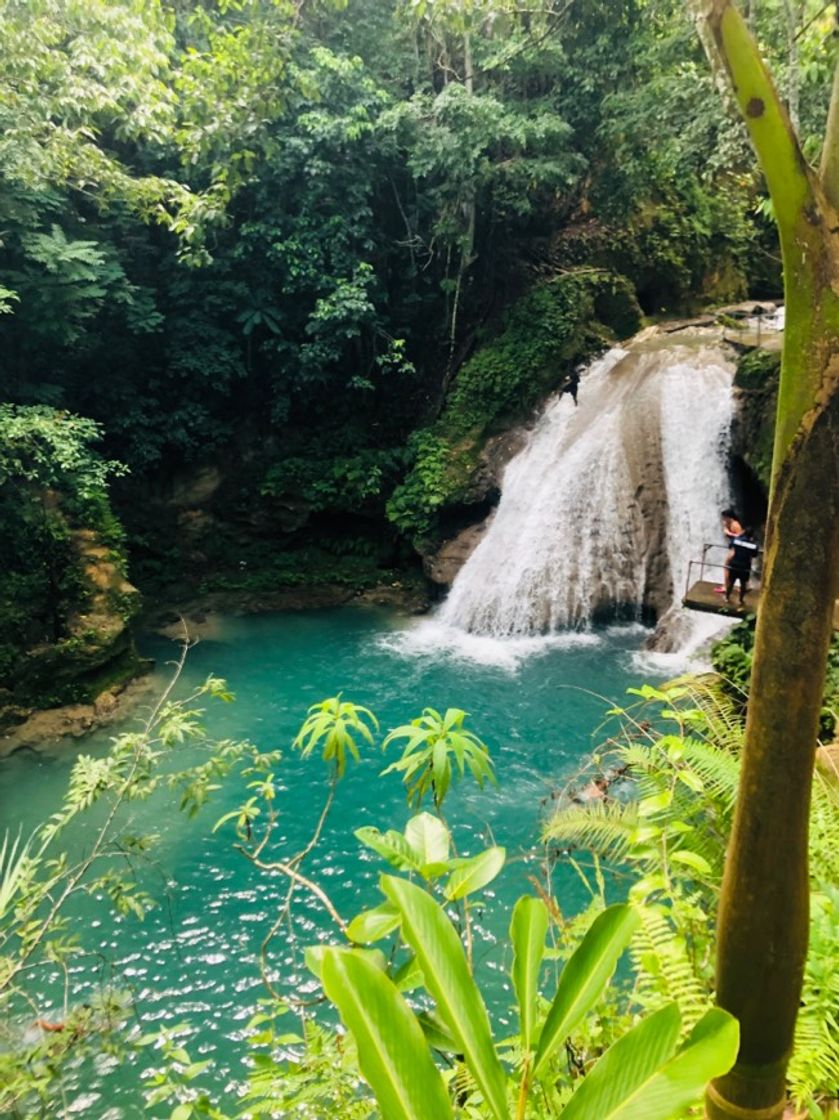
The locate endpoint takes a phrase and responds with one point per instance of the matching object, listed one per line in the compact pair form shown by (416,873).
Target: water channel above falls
(193,958)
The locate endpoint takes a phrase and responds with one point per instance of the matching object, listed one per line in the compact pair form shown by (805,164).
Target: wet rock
(197,487)
(74,720)
(748,308)
(485,483)
(442,566)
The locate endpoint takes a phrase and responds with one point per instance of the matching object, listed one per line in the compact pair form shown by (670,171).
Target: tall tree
(764,911)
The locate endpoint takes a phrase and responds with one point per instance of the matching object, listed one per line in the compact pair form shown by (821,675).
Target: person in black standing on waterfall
(738,563)
(571,384)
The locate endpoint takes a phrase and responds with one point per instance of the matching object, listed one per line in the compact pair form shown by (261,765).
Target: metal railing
(705,565)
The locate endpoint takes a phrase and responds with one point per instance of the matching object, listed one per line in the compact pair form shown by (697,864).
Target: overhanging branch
(786,171)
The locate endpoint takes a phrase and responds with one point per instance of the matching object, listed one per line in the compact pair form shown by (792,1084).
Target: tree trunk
(764,906)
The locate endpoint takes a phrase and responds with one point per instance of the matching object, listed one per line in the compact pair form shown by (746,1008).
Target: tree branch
(787,174)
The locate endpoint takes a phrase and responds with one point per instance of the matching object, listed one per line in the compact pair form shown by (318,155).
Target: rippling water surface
(193,959)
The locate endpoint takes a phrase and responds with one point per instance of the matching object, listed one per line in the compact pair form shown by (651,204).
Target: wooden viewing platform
(702,597)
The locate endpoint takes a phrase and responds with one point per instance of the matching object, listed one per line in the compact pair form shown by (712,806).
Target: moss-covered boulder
(65,601)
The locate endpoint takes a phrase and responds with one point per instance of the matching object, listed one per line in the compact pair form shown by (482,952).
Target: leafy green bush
(669,832)
(757,376)
(548,331)
(340,483)
(758,369)
(731,657)
(439,473)
(51,484)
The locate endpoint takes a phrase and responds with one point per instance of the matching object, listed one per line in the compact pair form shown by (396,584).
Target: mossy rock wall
(756,382)
(91,648)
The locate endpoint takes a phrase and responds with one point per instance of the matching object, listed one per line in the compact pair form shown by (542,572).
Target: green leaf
(436,1033)
(409,976)
(692,860)
(391,845)
(528,929)
(585,976)
(440,955)
(373,925)
(475,873)
(314,955)
(429,839)
(637,1079)
(656,803)
(392,1052)
(691,780)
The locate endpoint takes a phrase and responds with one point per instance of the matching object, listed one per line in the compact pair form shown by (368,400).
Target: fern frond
(664,967)
(717,767)
(607,829)
(814,1068)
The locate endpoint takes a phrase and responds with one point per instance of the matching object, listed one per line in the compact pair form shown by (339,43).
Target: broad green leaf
(429,839)
(408,977)
(392,1052)
(436,1033)
(440,955)
(656,803)
(528,929)
(692,860)
(475,873)
(314,955)
(629,1063)
(391,845)
(585,976)
(691,780)
(637,1079)
(373,925)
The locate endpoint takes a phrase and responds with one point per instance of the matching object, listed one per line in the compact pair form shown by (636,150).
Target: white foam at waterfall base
(691,652)
(433,638)
(608,502)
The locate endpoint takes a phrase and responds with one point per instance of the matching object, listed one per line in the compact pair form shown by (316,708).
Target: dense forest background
(293,264)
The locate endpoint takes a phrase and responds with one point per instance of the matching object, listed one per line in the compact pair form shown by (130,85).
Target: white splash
(433,638)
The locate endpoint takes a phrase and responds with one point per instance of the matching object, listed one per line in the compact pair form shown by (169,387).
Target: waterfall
(608,500)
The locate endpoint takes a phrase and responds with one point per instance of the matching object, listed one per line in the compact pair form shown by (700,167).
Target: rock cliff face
(94,655)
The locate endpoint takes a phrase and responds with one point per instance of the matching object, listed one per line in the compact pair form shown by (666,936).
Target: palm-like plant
(431,741)
(336,724)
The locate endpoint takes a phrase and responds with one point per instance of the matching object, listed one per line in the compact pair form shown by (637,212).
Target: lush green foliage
(757,376)
(38,882)
(672,833)
(732,659)
(431,741)
(52,483)
(652,1071)
(366,188)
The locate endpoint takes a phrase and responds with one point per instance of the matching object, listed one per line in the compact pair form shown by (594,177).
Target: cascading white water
(609,500)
